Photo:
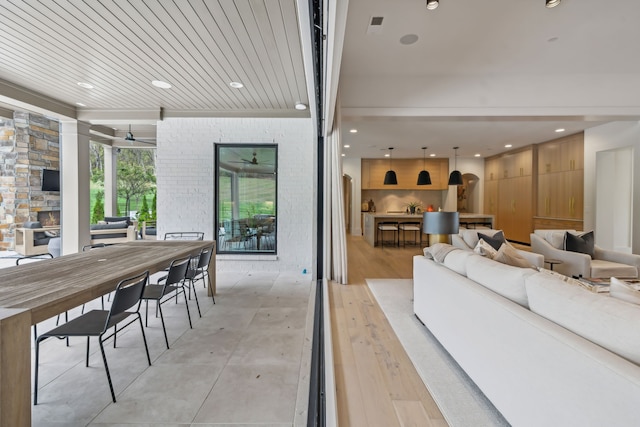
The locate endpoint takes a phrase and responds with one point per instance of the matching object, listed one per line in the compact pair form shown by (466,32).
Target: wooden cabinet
(407,170)
(492,169)
(515,208)
(561,178)
(561,155)
(491,198)
(509,192)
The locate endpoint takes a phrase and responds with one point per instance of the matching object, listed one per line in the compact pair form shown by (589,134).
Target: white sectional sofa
(544,351)
(468,239)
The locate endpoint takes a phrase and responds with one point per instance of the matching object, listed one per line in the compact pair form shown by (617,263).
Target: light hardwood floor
(377,385)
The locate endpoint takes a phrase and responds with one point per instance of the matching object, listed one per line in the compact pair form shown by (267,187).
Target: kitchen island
(371,220)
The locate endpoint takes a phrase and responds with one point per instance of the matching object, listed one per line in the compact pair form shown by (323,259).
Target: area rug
(460,400)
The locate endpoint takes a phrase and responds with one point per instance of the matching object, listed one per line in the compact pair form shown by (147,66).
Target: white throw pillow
(624,291)
(485,249)
(507,254)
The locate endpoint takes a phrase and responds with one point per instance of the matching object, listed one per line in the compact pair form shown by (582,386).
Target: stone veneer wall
(28,144)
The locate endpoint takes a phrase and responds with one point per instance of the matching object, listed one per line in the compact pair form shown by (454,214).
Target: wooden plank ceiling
(120,46)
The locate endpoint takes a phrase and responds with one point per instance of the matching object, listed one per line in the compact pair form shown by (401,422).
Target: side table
(552,262)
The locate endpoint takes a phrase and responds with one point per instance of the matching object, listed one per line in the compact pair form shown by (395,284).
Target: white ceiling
(480,75)
(483,74)
(120,46)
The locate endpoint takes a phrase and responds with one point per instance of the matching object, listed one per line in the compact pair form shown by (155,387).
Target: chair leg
(164,329)
(106,369)
(144,338)
(186,305)
(195,295)
(87,358)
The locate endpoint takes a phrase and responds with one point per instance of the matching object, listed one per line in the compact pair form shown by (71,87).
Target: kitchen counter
(371,220)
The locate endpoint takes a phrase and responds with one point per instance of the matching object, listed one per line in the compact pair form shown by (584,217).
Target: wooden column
(15,367)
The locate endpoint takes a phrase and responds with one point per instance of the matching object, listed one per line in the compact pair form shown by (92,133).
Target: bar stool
(412,226)
(388,226)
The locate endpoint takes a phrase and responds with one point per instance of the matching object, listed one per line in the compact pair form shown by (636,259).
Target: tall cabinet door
(514,208)
(491,199)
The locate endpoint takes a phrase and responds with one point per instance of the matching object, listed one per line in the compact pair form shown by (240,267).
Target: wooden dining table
(33,292)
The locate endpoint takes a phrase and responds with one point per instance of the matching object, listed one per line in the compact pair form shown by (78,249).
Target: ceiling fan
(129,137)
(253,161)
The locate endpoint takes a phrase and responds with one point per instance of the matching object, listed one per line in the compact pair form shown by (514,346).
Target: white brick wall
(185,178)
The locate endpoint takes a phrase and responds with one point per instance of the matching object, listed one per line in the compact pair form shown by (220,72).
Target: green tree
(98,208)
(154,212)
(134,180)
(143,213)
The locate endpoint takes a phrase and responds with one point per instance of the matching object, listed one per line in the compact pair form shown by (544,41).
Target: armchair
(604,264)
(32,238)
(468,239)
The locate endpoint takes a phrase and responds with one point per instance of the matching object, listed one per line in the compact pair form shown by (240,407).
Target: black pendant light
(423,177)
(390,176)
(456,177)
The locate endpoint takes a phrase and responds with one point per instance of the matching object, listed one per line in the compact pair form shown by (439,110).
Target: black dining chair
(91,247)
(96,323)
(199,269)
(172,285)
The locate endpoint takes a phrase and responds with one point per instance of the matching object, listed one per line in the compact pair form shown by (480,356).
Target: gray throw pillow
(582,243)
(495,241)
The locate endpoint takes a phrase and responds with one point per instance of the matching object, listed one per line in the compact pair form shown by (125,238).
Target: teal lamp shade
(390,178)
(424,178)
(455,178)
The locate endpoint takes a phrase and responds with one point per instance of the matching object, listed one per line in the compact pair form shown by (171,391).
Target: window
(246,197)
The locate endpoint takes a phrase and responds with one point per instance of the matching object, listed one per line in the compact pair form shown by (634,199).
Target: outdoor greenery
(136,183)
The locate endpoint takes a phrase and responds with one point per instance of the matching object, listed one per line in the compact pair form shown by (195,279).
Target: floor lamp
(439,225)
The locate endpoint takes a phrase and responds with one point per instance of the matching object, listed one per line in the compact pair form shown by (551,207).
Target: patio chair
(96,323)
(184,235)
(172,284)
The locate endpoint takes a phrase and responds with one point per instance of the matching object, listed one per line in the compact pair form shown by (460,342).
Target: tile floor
(245,362)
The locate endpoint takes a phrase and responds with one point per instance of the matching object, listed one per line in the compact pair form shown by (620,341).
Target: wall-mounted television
(50,180)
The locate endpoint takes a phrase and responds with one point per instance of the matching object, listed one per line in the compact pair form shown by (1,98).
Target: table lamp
(439,225)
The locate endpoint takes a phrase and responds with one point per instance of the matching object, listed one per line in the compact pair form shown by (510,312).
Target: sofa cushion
(438,251)
(471,238)
(110,219)
(582,243)
(38,236)
(503,279)
(554,237)
(608,322)
(507,254)
(495,241)
(604,269)
(485,249)
(120,230)
(457,261)
(624,291)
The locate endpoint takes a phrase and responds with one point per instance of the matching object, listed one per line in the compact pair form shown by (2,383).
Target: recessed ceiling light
(354,131)
(432,4)
(300,106)
(432,155)
(343,155)
(85,85)
(80,104)
(236,85)
(508,146)
(387,155)
(408,39)
(347,146)
(477,155)
(560,130)
(551,3)
(161,84)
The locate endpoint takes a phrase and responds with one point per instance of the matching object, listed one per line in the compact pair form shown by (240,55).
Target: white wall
(474,166)
(186,194)
(611,136)
(352,166)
